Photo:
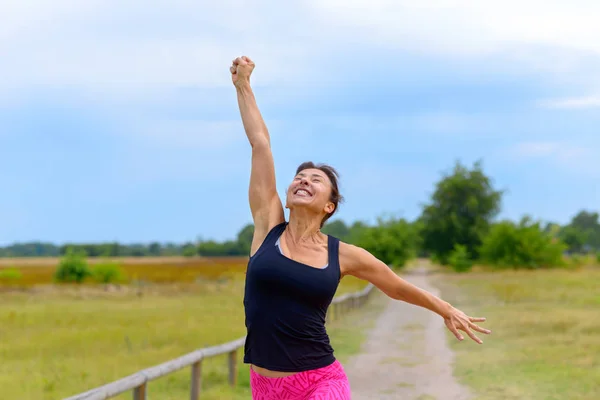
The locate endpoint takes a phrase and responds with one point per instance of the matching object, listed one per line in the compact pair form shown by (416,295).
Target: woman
(294,271)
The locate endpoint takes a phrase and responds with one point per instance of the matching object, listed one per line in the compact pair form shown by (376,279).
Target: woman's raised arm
(265,204)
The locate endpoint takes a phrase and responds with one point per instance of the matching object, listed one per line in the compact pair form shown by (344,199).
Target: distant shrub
(10,275)
(522,245)
(459,259)
(392,241)
(598,257)
(189,250)
(73,267)
(108,272)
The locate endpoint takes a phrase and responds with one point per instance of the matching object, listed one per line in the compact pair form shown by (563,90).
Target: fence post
(233,373)
(139,393)
(196,380)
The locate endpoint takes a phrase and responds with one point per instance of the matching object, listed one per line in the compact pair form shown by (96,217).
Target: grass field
(57,341)
(545,342)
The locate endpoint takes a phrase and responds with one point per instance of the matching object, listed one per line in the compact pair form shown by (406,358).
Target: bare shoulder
(354,258)
(360,263)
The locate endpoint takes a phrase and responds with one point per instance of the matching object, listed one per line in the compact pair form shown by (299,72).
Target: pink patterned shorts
(327,383)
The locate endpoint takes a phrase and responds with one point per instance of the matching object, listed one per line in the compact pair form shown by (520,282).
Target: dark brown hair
(336,198)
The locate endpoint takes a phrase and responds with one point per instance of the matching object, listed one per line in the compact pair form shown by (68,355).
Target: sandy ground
(406,356)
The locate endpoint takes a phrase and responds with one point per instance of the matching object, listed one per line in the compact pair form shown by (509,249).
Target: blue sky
(118,120)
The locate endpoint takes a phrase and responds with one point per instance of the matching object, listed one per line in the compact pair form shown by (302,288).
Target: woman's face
(310,188)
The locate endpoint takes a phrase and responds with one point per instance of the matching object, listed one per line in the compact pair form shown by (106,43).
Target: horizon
(118,122)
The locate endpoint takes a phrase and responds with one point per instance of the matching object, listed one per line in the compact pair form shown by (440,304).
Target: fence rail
(138,382)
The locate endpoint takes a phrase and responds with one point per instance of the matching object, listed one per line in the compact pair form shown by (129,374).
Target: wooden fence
(138,382)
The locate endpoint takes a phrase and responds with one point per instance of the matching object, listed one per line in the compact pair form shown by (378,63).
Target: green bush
(574,238)
(108,272)
(189,250)
(10,275)
(598,257)
(73,267)
(393,241)
(459,259)
(522,245)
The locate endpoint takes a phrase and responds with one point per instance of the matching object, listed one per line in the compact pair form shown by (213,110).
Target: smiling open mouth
(303,193)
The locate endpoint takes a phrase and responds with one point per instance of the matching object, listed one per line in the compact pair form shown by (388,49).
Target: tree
(154,249)
(574,238)
(209,248)
(189,250)
(460,212)
(336,228)
(244,239)
(587,223)
(355,231)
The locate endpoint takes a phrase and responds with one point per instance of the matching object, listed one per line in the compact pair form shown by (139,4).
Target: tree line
(457,227)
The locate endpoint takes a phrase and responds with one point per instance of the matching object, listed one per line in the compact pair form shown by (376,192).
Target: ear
(329,208)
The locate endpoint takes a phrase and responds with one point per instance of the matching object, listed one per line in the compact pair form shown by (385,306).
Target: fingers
(472,319)
(241,60)
(453,329)
(472,335)
(241,68)
(480,329)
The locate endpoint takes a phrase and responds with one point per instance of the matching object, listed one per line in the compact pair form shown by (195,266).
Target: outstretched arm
(265,204)
(360,263)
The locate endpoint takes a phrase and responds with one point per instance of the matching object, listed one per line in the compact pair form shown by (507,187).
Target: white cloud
(592,101)
(514,36)
(469,26)
(111,45)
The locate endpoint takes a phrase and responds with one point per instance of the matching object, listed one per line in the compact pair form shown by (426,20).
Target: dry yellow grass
(53,261)
(38,271)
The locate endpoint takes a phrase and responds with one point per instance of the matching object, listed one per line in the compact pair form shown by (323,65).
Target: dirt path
(405,356)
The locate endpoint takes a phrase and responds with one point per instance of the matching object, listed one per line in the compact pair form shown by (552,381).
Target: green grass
(57,341)
(545,341)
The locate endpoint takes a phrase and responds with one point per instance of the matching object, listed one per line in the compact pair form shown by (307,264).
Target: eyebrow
(312,175)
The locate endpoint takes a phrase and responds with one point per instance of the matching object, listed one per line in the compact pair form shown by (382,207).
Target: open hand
(458,320)
(241,69)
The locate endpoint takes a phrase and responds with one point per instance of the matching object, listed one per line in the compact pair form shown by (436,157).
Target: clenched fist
(241,69)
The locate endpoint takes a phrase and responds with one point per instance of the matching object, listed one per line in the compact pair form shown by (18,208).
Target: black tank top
(286,304)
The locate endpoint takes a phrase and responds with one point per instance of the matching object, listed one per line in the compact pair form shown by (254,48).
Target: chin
(299,204)
(302,204)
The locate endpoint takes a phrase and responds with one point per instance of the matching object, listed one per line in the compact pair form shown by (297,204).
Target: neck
(303,227)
